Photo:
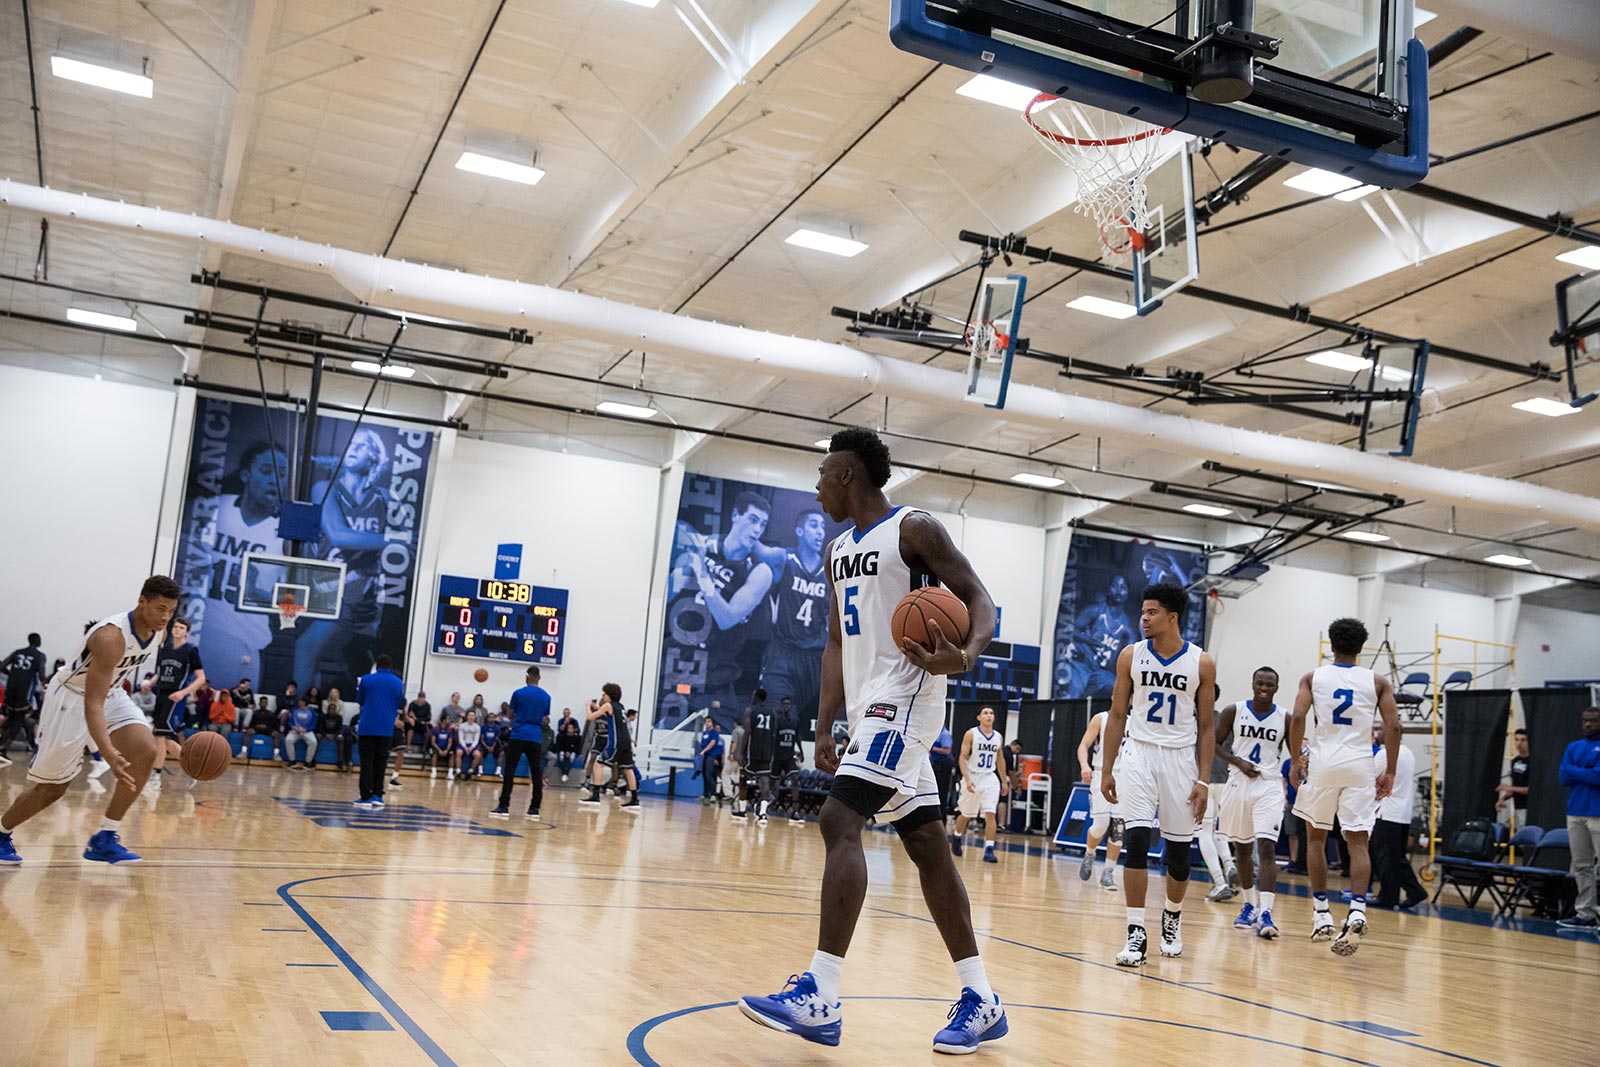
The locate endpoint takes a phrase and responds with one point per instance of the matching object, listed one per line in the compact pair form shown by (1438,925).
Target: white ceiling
(671,183)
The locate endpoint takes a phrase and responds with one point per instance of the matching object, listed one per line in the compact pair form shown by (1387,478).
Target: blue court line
(637,1035)
(1209,992)
(409,1025)
(1375,1028)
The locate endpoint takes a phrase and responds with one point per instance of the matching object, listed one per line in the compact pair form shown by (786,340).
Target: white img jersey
(1162,711)
(985,756)
(135,654)
(1344,703)
(1099,741)
(227,538)
(1259,739)
(869,578)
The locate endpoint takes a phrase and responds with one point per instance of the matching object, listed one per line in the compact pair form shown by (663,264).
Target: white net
(1111,155)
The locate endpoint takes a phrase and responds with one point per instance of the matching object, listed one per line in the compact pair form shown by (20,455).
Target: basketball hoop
(1214,603)
(288,611)
(1111,155)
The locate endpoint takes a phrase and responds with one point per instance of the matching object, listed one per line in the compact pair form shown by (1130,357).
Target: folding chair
(1405,698)
(1546,884)
(1457,680)
(1471,876)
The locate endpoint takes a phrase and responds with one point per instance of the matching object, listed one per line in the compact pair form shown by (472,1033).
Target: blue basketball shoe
(104,847)
(973,1021)
(799,1010)
(8,852)
(1265,927)
(1246,919)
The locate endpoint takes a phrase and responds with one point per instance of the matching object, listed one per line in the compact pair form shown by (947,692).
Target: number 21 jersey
(1162,710)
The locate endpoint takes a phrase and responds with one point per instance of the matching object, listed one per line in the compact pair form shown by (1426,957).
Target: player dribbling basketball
(893,697)
(1163,701)
(86,703)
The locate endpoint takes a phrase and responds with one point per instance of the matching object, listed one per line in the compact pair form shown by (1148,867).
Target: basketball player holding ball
(893,696)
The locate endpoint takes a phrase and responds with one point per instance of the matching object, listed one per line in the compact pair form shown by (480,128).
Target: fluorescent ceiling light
(1419,17)
(992,90)
(1587,257)
(1363,535)
(392,370)
(96,318)
(653,3)
(1208,509)
(499,168)
(1099,305)
(1043,481)
(629,411)
(825,443)
(1322,182)
(1509,561)
(1339,361)
(1543,405)
(825,242)
(1356,194)
(118,81)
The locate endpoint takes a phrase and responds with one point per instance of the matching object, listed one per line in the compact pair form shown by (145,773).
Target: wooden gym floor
(269,925)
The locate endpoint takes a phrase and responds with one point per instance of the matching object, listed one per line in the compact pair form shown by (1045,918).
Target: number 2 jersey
(1344,703)
(1162,710)
(880,684)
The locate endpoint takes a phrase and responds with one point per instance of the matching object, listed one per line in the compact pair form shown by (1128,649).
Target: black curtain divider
(1474,750)
(964,716)
(1554,720)
(1033,726)
(1071,718)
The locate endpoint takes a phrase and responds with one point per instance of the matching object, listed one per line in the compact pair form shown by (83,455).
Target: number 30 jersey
(869,578)
(1162,710)
(1344,703)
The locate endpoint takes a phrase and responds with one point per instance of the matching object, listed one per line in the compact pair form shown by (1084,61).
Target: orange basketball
(481,675)
(934,604)
(205,756)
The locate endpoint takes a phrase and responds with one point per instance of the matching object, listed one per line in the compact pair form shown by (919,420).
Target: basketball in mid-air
(934,604)
(481,675)
(205,756)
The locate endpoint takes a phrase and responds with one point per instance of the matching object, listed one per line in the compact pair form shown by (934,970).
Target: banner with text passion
(370,483)
(747,601)
(1099,608)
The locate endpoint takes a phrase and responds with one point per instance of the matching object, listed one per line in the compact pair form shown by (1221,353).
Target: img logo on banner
(508,562)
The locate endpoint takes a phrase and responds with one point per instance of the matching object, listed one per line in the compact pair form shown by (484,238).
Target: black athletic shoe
(955,844)
(501,812)
(591,798)
(1133,954)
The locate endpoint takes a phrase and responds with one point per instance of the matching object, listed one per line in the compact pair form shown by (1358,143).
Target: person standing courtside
(530,718)
(1580,773)
(25,678)
(1163,701)
(1391,834)
(380,695)
(179,675)
(893,695)
(1344,699)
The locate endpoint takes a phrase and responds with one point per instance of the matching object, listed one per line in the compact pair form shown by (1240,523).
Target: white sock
(1253,896)
(828,970)
(1267,900)
(988,844)
(1175,906)
(108,823)
(1136,917)
(763,807)
(971,974)
(1208,849)
(1319,906)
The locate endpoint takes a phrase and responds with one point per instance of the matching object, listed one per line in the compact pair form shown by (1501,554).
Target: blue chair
(236,743)
(260,747)
(327,751)
(1545,884)
(1525,841)
(1457,680)
(1404,697)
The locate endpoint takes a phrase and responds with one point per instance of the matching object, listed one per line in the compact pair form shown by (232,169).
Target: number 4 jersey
(1162,710)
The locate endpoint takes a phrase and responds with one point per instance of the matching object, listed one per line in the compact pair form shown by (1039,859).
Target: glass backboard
(315,585)
(1390,425)
(992,338)
(1169,258)
(1578,322)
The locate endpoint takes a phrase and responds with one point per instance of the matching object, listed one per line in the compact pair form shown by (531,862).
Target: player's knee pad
(1100,826)
(1136,847)
(1178,860)
(1115,834)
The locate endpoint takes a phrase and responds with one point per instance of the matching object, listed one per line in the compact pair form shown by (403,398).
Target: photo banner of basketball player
(1099,612)
(371,515)
(747,601)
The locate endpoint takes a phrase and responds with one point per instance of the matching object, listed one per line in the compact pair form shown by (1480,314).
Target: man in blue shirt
(381,695)
(530,718)
(939,754)
(709,757)
(1580,773)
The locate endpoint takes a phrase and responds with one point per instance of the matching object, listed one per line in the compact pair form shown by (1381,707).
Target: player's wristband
(966,662)
(1204,785)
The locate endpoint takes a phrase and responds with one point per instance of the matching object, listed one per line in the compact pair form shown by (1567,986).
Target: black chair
(1546,884)
(1476,871)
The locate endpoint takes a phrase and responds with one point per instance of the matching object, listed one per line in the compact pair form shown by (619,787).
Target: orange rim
(1082,142)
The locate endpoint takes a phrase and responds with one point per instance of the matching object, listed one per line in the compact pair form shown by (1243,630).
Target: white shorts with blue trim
(63,732)
(885,754)
(1153,787)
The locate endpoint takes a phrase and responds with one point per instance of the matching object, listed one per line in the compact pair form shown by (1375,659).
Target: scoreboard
(494,619)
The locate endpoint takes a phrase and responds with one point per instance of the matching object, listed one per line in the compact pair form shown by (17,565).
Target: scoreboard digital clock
(495,619)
